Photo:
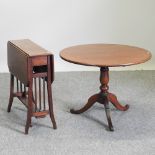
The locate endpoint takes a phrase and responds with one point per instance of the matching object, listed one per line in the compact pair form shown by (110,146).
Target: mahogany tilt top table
(104,56)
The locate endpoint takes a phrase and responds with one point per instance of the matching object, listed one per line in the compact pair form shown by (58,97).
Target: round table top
(105,55)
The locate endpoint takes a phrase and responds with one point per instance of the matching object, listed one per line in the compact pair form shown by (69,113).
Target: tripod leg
(89,104)
(107,110)
(113,99)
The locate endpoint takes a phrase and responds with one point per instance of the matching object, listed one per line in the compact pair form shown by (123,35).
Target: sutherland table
(104,56)
(33,68)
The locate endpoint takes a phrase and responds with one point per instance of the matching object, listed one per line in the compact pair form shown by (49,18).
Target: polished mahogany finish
(104,56)
(101,55)
(32,69)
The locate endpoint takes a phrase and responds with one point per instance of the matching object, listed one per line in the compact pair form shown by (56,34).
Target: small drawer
(39,60)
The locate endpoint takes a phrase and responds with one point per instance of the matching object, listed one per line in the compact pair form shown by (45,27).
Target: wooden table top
(105,55)
(29,47)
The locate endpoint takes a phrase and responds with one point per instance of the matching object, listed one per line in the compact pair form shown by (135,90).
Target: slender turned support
(11,92)
(103,97)
(49,90)
(30,97)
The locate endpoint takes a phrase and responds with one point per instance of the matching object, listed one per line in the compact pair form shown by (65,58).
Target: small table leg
(90,103)
(103,97)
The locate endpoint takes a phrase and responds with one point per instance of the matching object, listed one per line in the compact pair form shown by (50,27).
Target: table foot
(107,111)
(113,99)
(89,104)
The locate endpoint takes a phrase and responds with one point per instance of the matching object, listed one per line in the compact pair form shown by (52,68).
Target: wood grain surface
(29,47)
(102,55)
